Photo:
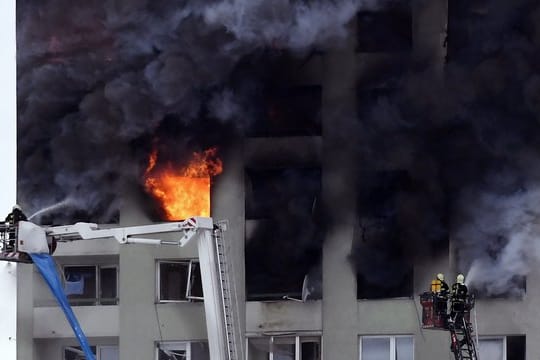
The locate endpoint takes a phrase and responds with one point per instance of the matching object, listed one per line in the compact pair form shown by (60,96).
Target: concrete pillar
(339,310)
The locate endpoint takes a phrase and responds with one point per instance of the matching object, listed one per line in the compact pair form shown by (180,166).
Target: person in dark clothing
(458,298)
(445,289)
(442,294)
(12,220)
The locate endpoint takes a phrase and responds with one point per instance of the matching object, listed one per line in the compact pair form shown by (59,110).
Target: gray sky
(8,302)
(7,107)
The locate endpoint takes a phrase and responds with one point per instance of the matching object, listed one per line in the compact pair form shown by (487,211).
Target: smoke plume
(468,144)
(98,81)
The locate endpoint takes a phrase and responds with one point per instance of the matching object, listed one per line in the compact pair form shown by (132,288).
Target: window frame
(100,289)
(189,284)
(392,349)
(186,344)
(494,337)
(101,347)
(298,340)
(97,300)
(97,353)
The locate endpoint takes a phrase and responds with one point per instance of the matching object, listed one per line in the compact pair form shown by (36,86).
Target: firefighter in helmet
(440,288)
(12,220)
(458,297)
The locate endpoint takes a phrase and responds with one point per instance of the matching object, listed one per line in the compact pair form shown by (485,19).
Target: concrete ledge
(50,322)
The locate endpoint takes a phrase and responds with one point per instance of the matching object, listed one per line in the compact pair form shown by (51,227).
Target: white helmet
(440,276)
(460,279)
(16,207)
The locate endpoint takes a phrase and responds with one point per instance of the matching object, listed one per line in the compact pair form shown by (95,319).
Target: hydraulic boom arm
(29,238)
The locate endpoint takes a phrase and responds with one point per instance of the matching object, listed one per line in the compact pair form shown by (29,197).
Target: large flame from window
(183,192)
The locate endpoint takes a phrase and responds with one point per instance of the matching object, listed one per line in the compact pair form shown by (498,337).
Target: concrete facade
(339,319)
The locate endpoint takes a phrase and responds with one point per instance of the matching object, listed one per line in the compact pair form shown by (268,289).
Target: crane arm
(131,235)
(30,238)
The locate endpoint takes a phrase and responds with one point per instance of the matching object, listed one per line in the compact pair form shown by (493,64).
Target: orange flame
(184,192)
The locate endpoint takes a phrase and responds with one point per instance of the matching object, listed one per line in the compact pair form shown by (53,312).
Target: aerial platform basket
(432,317)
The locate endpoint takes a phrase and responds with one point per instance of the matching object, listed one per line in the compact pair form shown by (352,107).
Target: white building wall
(53,349)
(142,322)
(8,307)
(50,322)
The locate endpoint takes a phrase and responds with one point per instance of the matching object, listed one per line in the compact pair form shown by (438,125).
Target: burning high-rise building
(356,149)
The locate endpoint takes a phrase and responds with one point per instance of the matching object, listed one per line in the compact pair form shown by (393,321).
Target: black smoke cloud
(99,81)
(468,144)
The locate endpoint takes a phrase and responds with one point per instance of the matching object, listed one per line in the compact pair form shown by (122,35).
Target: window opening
(91,284)
(182,350)
(284,348)
(385,30)
(399,347)
(283,235)
(179,281)
(102,352)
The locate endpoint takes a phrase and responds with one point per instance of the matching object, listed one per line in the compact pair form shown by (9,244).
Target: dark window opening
(515,347)
(383,269)
(179,281)
(283,236)
(378,101)
(292,111)
(173,280)
(386,30)
(109,285)
(76,353)
(383,266)
(176,350)
(310,350)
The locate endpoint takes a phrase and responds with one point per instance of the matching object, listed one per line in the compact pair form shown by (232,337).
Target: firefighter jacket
(15,216)
(459,292)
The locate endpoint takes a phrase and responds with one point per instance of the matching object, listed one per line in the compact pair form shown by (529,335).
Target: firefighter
(12,220)
(439,286)
(440,289)
(458,298)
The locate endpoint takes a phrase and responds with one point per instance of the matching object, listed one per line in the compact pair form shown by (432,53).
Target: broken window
(179,280)
(104,352)
(386,30)
(182,350)
(386,347)
(384,268)
(283,236)
(284,348)
(291,111)
(91,284)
